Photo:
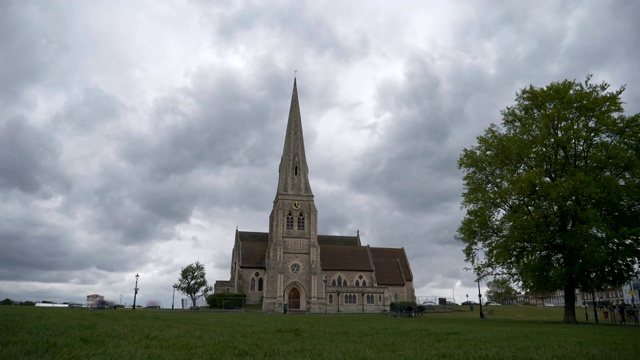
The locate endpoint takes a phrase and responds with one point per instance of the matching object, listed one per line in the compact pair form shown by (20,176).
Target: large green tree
(552,196)
(192,282)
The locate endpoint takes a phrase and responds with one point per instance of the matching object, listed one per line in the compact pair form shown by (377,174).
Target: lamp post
(324,280)
(135,292)
(173,300)
(635,289)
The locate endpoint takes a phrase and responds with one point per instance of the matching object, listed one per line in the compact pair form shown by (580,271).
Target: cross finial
(295,74)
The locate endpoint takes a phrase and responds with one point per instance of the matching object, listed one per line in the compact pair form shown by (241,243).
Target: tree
(192,282)
(6,301)
(500,290)
(552,197)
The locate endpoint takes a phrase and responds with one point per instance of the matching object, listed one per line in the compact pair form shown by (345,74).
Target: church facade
(293,266)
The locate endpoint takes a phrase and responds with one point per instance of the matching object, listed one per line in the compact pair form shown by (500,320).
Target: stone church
(293,265)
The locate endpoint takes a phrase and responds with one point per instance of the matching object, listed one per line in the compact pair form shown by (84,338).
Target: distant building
(51,305)
(627,294)
(294,266)
(93,301)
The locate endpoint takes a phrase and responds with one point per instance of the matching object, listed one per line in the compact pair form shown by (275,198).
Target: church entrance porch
(294,299)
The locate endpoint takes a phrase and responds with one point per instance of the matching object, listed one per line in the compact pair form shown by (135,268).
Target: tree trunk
(193,299)
(570,304)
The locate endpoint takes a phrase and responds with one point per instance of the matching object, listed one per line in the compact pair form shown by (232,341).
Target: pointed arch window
(301,221)
(289,222)
(295,170)
(364,282)
(339,280)
(260,284)
(330,298)
(357,283)
(333,282)
(253,284)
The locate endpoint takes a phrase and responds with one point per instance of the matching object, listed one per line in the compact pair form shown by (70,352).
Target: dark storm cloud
(215,138)
(414,164)
(28,157)
(33,242)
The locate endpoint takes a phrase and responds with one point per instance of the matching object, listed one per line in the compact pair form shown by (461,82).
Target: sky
(137,136)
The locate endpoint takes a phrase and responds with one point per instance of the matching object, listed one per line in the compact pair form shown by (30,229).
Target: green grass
(514,332)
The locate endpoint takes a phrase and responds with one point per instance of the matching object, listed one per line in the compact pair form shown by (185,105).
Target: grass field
(513,332)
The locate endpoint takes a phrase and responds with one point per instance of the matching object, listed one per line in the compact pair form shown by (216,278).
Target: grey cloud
(20,53)
(295,27)
(28,157)
(92,109)
(216,122)
(31,44)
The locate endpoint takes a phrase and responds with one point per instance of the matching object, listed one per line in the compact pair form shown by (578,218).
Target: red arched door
(294,299)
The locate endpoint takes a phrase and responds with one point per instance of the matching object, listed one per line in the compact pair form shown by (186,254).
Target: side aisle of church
(292,265)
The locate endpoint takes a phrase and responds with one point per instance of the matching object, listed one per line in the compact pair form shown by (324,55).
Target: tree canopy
(192,282)
(552,196)
(500,290)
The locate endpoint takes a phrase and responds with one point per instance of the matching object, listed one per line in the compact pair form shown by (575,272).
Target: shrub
(226,300)
(401,305)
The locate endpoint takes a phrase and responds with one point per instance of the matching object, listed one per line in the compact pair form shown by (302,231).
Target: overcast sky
(135,136)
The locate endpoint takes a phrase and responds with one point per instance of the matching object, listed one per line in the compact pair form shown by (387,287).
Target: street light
(324,280)
(135,292)
(480,300)
(173,300)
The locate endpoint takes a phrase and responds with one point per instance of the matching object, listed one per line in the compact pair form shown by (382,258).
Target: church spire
(294,173)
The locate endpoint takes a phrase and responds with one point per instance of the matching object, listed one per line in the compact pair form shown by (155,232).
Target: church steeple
(294,173)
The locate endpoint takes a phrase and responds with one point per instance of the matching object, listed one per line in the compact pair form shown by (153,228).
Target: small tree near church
(192,282)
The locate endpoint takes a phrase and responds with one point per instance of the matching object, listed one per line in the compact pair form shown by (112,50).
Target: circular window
(257,274)
(360,277)
(295,268)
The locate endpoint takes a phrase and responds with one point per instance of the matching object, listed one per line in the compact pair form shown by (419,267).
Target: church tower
(293,271)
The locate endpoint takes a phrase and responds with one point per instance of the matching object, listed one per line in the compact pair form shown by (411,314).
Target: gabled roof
(392,266)
(337,253)
(253,236)
(253,249)
(338,240)
(345,257)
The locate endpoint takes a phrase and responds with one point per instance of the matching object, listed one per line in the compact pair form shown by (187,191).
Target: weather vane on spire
(295,74)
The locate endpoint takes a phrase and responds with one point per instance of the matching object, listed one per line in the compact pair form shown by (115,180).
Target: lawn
(513,332)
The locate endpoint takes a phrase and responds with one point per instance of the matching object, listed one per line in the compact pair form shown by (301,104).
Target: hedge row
(226,300)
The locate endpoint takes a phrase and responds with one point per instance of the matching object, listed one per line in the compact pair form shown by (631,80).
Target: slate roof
(392,266)
(338,240)
(348,258)
(253,249)
(337,253)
